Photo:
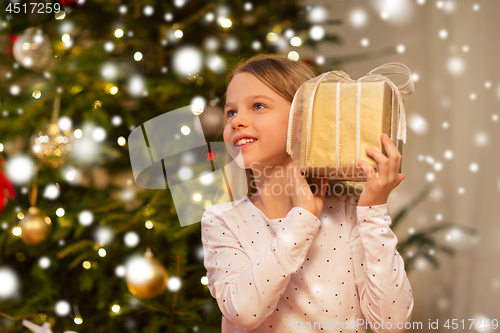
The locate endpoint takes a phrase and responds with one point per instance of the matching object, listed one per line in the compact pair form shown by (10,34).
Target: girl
(285,258)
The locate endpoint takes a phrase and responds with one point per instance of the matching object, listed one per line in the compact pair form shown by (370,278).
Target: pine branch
(75,247)
(148,306)
(19,317)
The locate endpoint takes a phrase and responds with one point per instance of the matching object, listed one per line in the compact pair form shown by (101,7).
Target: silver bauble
(32,50)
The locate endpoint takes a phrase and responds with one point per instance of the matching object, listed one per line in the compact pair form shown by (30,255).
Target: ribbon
(379,74)
(337,122)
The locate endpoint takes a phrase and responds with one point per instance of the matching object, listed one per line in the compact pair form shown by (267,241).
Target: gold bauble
(35,227)
(52,144)
(146,277)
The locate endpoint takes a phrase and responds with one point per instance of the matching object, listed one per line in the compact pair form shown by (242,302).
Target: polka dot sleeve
(380,276)
(247,291)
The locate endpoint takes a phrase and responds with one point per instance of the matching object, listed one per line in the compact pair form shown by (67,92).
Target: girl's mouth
(246,145)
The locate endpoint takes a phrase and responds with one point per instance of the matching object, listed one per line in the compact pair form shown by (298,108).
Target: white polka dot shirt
(335,273)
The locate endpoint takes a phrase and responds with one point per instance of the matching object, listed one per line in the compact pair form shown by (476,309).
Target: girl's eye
(258,104)
(229,112)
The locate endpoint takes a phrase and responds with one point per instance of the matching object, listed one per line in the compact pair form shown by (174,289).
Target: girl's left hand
(380,184)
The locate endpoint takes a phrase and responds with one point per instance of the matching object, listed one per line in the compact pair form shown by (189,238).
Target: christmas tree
(84,248)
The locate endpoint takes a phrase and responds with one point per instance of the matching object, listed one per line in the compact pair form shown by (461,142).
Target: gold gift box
(376,117)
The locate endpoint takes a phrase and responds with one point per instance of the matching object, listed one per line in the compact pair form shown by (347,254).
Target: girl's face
(254,110)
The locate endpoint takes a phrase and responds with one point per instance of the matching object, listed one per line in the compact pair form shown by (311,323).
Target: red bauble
(5,184)
(12,40)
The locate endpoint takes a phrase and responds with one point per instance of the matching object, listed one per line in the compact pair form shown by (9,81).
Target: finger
(386,164)
(382,162)
(299,181)
(400,179)
(367,168)
(393,176)
(394,157)
(389,146)
(314,186)
(321,184)
(297,169)
(324,186)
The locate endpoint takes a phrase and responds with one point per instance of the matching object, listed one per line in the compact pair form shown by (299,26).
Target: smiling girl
(285,257)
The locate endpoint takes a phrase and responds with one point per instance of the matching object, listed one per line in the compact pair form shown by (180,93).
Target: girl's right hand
(301,195)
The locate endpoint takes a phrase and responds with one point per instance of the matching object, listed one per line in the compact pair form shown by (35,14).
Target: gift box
(334,119)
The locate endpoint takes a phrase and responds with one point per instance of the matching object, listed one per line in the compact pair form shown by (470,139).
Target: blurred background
(83,248)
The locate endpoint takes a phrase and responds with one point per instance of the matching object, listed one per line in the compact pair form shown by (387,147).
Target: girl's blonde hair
(284,77)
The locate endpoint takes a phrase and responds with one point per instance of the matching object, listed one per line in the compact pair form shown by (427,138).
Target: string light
(17,231)
(62,308)
(44,262)
(78,319)
(120,271)
(14,90)
(293,55)
(178,33)
(86,217)
(101,252)
(60,15)
(271,37)
(60,212)
(295,41)
(138,56)
(121,141)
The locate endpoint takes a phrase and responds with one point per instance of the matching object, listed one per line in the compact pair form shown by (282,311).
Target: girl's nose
(238,120)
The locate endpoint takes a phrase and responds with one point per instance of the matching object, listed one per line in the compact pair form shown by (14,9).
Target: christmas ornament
(35,227)
(33,50)
(146,277)
(212,121)
(11,41)
(53,144)
(5,184)
(69,5)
